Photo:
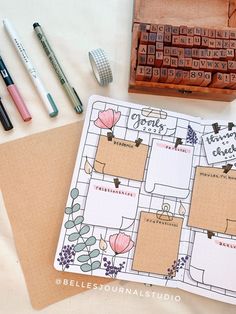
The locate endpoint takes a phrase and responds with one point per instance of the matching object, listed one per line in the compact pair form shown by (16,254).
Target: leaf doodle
(79,247)
(95,265)
(79,220)
(74,236)
(69,224)
(85,229)
(182,209)
(88,167)
(91,241)
(82,250)
(75,207)
(86,267)
(102,244)
(94,253)
(74,193)
(83,258)
(68,210)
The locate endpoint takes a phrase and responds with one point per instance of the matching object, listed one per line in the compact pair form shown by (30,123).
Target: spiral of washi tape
(101,66)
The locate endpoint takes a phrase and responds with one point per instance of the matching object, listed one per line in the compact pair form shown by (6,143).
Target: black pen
(4,118)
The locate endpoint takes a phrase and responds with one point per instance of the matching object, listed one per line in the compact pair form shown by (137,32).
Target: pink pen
(13,91)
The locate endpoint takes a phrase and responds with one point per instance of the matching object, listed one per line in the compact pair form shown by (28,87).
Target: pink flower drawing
(121,243)
(107,119)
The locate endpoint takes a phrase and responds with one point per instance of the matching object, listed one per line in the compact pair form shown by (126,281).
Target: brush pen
(45,96)
(73,96)
(4,118)
(14,93)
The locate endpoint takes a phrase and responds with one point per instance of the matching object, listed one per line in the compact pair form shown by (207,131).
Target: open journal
(152,200)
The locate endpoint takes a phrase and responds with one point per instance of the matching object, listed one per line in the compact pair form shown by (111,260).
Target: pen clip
(78,108)
(77,96)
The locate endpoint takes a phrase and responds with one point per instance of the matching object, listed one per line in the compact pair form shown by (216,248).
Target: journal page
(128,211)
(212,214)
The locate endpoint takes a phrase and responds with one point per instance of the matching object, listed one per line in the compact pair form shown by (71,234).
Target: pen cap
(4,118)
(19,102)
(35,25)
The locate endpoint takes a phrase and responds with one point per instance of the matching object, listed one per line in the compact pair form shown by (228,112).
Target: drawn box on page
(157,243)
(109,206)
(213,200)
(169,169)
(121,158)
(213,261)
(221,146)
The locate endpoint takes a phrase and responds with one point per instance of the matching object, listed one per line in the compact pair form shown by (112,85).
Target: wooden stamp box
(216,14)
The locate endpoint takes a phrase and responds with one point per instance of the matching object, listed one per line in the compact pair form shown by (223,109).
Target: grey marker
(75,100)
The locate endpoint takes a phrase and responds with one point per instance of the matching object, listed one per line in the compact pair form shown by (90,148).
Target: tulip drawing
(121,243)
(107,119)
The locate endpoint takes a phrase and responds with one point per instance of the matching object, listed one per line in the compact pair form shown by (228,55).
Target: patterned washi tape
(101,67)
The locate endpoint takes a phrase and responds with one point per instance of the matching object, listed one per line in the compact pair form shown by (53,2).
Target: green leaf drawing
(85,229)
(85,267)
(95,265)
(90,241)
(74,236)
(68,210)
(83,258)
(79,247)
(69,224)
(76,207)
(74,193)
(79,220)
(85,245)
(94,253)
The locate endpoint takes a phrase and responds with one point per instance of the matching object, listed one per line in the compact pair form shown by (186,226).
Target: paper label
(221,146)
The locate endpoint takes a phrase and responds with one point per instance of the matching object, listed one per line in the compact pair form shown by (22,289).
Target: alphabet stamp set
(152,200)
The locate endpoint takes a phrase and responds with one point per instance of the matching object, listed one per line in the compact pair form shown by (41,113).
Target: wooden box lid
(207,13)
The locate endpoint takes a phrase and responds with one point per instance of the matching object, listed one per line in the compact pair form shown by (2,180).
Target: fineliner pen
(45,96)
(4,118)
(73,96)
(14,93)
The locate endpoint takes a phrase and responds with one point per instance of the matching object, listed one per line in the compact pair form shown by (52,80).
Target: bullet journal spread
(152,200)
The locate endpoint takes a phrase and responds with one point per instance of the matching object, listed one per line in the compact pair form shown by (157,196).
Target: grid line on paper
(200,156)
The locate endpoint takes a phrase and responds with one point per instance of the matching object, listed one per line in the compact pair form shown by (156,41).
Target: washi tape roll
(101,67)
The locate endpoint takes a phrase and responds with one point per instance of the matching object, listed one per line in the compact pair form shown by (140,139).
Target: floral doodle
(66,256)
(107,119)
(84,246)
(175,267)
(120,243)
(191,136)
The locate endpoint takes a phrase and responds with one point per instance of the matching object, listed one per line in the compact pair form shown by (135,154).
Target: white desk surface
(74,27)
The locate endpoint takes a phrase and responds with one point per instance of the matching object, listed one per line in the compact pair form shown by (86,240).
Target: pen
(14,93)
(4,118)
(45,96)
(73,96)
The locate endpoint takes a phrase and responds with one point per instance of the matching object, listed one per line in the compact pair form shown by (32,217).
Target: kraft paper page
(213,201)
(157,243)
(34,176)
